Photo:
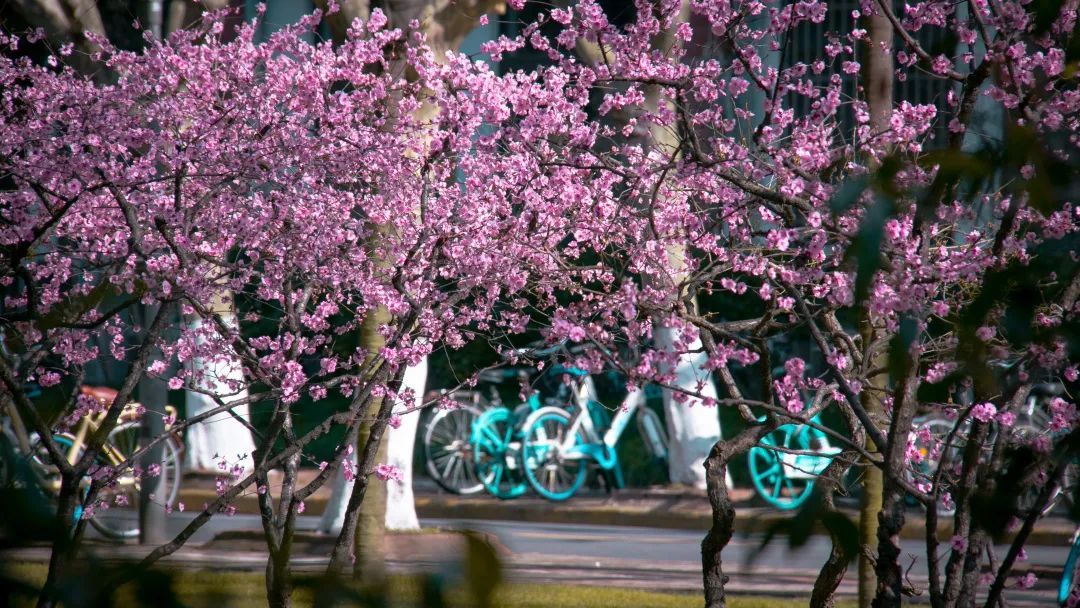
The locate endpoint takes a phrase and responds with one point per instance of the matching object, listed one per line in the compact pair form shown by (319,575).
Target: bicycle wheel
(1023,434)
(495,453)
(117,517)
(652,432)
(550,471)
(9,461)
(786,480)
(448,453)
(1069,588)
(47,475)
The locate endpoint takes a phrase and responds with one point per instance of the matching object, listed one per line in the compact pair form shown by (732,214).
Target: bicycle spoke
(791,487)
(770,471)
(494,437)
(441,435)
(449,464)
(455,473)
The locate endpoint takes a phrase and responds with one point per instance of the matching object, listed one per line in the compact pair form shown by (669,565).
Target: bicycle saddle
(103,394)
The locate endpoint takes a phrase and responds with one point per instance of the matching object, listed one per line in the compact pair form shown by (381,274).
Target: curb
(653,510)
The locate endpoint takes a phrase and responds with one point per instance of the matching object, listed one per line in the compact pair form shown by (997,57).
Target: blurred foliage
(221,589)
(799,529)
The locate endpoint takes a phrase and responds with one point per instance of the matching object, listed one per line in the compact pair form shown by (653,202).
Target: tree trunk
(722,528)
(400,506)
(62,555)
(279,526)
(371,525)
(153,393)
(279,579)
(869,508)
(221,436)
(962,519)
(835,567)
(723,511)
(969,580)
(344,554)
(878,91)
(890,581)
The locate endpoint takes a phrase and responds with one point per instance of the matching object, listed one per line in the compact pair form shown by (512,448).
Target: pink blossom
(536,199)
(1006,419)
(984,412)
(939,371)
(387,472)
(377,20)
(941,64)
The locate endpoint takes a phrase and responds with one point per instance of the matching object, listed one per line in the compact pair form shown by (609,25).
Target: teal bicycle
(559,444)
(496,445)
(1069,590)
(785,463)
(495,434)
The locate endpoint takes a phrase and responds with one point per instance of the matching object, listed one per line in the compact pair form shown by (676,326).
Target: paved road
(671,558)
(636,556)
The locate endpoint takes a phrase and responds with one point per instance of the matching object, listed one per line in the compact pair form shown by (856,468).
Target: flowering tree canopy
(305,181)
(928,255)
(651,168)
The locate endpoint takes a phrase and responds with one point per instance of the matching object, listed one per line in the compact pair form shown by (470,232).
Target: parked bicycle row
(550,441)
(547,443)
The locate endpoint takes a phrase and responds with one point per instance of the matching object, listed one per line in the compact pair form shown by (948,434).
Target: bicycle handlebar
(537,351)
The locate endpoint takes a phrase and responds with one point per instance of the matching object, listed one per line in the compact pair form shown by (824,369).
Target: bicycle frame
(808,464)
(76,441)
(1065,587)
(600,449)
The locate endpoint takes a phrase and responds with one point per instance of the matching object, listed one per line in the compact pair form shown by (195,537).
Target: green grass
(209,589)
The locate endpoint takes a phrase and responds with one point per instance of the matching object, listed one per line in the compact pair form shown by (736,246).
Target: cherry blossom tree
(81,25)
(891,235)
(265,171)
(930,266)
(445,26)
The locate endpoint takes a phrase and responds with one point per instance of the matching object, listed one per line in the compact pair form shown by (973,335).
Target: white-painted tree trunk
(693,428)
(221,436)
(400,505)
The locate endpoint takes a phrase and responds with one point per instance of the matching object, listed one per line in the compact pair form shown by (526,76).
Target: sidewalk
(671,508)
